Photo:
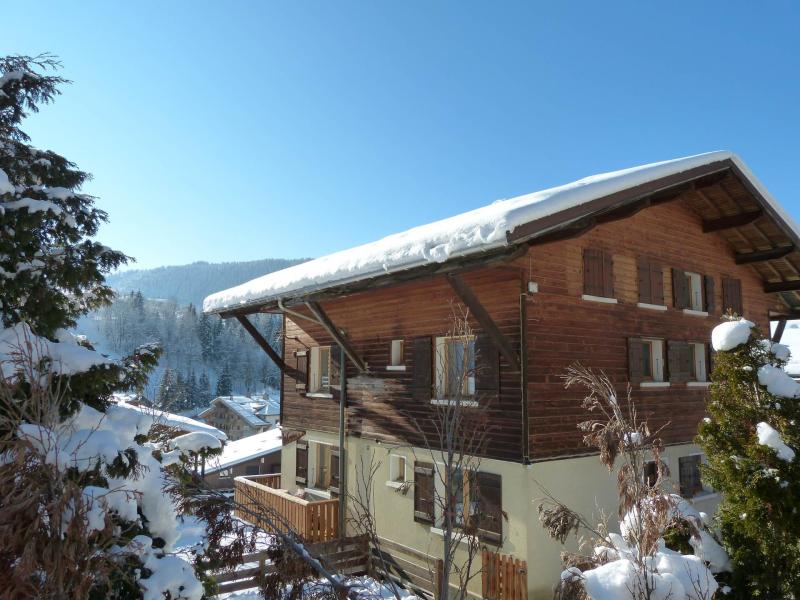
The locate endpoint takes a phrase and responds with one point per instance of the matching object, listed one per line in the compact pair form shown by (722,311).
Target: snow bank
(767,436)
(469,233)
(778,382)
(196,441)
(730,334)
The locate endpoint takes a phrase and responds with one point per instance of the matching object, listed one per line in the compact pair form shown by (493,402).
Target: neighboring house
(236,416)
(258,454)
(627,272)
(270,412)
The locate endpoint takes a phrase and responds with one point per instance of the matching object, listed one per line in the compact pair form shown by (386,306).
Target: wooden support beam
(259,339)
(746,258)
(337,335)
(782,286)
(776,337)
(731,221)
(468,297)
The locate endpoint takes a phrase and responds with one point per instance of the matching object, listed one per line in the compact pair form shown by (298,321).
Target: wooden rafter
(776,337)
(259,339)
(336,334)
(731,221)
(468,297)
(782,286)
(746,258)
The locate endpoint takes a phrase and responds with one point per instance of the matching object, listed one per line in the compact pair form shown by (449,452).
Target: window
(651,283)
(692,291)
(320,375)
(651,473)
(322,470)
(694,283)
(396,357)
(476,505)
(252,470)
(598,273)
(455,367)
(225,474)
(397,470)
(646,360)
(699,372)
(689,467)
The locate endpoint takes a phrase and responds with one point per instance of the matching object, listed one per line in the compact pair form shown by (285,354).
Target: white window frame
(316,385)
(441,371)
(656,362)
(313,466)
(397,462)
(699,365)
(694,281)
(396,356)
(225,474)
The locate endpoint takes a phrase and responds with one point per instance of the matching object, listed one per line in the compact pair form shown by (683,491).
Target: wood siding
(563,328)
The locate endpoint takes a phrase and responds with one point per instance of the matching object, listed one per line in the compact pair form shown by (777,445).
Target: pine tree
(166,390)
(760,486)
(224,382)
(204,390)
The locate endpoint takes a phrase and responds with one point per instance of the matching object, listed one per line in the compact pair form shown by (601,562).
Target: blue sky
(244,130)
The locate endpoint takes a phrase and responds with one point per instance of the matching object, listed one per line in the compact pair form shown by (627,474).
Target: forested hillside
(189,284)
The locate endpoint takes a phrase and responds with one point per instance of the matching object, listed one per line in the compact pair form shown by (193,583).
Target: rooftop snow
(244,449)
(245,407)
(473,232)
(171,420)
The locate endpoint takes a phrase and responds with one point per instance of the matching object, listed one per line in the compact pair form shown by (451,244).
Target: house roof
(245,449)
(723,191)
(244,406)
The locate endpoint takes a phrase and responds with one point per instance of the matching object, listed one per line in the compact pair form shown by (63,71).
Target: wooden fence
(314,521)
(348,556)
(412,569)
(504,577)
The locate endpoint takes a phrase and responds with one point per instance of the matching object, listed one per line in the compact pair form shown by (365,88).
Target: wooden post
(438,577)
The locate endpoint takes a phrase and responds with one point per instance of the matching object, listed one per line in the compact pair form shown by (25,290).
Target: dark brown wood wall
(381,404)
(563,328)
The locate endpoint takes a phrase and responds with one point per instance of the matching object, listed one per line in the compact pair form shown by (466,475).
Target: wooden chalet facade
(631,282)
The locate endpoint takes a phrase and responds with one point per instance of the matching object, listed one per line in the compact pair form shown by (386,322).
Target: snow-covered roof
(244,449)
(791,338)
(471,233)
(244,406)
(172,420)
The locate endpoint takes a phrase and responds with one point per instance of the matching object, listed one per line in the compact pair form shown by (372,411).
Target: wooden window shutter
(680,288)
(487,365)
(424,500)
(301,463)
(301,366)
(490,507)
(708,294)
(335,458)
(645,282)
(679,361)
(592,272)
(608,275)
(335,370)
(635,358)
(423,362)
(657,283)
(732,295)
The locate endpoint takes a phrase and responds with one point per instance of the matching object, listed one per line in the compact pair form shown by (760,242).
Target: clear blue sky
(242,130)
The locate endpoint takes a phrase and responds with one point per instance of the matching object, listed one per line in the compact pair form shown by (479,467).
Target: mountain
(189,284)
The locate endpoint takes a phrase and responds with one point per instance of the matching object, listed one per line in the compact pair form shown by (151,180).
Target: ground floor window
(689,475)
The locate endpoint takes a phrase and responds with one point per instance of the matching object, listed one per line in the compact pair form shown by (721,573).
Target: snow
(171,420)
(366,588)
(709,550)
(66,355)
(6,187)
(242,450)
(168,573)
(470,233)
(791,338)
(778,382)
(767,436)
(196,441)
(782,352)
(730,334)
(244,406)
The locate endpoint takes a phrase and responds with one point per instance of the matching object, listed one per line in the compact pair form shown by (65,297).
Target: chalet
(237,416)
(258,454)
(627,272)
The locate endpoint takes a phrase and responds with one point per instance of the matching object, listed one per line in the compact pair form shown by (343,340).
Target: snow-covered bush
(751,439)
(636,563)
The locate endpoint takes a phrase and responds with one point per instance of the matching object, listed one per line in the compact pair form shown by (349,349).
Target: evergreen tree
(224,382)
(179,397)
(748,440)
(166,390)
(204,390)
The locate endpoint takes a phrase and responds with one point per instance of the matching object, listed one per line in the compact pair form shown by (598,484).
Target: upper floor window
(455,367)
(646,360)
(598,273)
(651,283)
(692,291)
(699,368)
(320,371)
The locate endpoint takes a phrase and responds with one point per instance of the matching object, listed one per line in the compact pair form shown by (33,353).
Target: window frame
(315,377)
(699,355)
(658,372)
(695,285)
(396,479)
(701,489)
(442,363)
(397,355)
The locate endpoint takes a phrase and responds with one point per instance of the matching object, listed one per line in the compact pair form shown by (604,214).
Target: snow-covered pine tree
(81,498)
(166,390)
(224,382)
(750,440)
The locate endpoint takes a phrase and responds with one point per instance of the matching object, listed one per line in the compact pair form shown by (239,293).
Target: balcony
(313,520)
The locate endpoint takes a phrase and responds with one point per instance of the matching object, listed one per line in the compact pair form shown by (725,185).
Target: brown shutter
(487,365)
(657,283)
(635,360)
(335,458)
(421,383)
(608,276)
(490,507)
(592,272)
(645,282)
(708,292)
(301,463)
(680,289)
(335,370)
(732,295)
(679,358)
(301,365)
(423,492)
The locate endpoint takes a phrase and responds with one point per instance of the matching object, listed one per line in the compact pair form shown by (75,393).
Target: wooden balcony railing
(265,504)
